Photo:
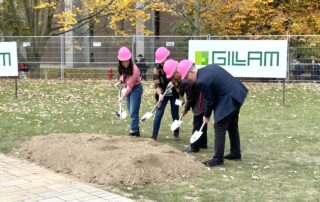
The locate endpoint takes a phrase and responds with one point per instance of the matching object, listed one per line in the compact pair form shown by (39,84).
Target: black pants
(144,74)
(197,123)
(230,124)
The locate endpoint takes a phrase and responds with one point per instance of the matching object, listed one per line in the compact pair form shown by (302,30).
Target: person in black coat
(225,95)
(298,69)
(315,70)
(143,66)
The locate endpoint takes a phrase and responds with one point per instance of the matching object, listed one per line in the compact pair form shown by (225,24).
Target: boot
(176,136)
(137,134)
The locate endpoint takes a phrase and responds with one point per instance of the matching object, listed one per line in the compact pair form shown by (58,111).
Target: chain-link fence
(64,57)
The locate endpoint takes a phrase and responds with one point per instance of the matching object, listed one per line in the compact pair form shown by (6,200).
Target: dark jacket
(161,81)
(315,71)
(195,99)
(299,69)
(223,93)
(142,64)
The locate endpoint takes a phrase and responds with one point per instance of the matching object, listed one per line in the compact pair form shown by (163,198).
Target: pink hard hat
(170,67)
(183,67)
(124,54)
(161,54)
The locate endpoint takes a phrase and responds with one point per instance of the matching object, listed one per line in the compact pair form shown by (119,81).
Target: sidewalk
(24,181)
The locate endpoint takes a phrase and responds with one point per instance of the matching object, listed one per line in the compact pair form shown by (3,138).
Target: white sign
(169,43)
(26,44)
(8,59)
(96,44)
(242,58)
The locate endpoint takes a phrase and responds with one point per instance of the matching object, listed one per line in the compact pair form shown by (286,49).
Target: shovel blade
(196,135)
(123,115)
(146,116)
(175,125)
(178,102)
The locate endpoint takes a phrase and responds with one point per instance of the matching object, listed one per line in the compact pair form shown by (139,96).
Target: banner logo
(202,57)
(5,59)
(232,58)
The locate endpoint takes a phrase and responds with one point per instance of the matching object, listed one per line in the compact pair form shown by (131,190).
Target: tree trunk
(34,54)
(35,71)
(197,19)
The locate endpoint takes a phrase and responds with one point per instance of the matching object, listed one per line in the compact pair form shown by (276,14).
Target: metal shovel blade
(195,136)
(146,116)
(175,125)
(123,115)
(178,102)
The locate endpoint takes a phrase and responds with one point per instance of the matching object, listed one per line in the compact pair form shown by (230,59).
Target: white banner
(242,58)
(8,59)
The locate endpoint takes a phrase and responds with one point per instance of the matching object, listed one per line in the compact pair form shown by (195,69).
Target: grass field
(280,143)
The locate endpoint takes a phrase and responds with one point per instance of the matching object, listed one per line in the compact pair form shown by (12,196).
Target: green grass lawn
(280,144)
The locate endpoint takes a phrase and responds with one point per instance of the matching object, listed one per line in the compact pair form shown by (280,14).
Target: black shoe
(203,146)
(233,157)
(192,150)
(176,136)
(213,163)
(155,138)
(136,134)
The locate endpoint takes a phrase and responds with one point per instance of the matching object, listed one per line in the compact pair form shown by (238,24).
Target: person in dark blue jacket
(315,70)
(225,95)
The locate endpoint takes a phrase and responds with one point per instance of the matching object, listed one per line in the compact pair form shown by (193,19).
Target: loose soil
(110,160)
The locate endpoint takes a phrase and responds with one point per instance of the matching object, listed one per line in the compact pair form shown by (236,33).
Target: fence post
(288,58)
(46,73)
(133,47)
(61,58)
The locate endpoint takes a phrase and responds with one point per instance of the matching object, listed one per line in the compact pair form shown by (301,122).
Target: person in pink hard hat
(161,82)
(195,100)
(130,77)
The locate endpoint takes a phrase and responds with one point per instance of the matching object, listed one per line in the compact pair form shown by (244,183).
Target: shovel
(148,115)
(176,124)
(121,114)
(178,102)
(197,134)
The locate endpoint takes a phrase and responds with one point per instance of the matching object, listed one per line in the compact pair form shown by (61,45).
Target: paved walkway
(24,181)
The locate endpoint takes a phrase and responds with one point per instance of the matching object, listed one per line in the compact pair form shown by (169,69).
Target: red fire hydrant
(110,74)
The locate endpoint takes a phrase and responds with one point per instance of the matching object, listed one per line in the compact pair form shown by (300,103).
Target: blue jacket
(223,92)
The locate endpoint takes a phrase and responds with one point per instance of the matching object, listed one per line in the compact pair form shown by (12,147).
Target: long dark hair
(126,71)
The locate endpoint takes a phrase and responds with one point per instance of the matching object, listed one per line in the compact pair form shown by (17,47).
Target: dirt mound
(110,160)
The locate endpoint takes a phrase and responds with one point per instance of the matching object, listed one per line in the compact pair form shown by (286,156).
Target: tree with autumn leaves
(234,17)
(254,17)
(197,17)
(54,17)
(249,17)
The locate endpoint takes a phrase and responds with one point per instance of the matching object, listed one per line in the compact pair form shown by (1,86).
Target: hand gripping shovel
(197,134)
(148,115)
(176,124)
(121,114)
